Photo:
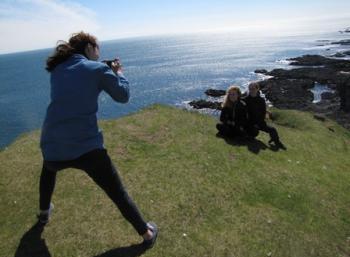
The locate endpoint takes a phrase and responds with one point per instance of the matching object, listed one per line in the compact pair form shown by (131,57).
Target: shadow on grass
(31,244)
(253,145)
(129,251)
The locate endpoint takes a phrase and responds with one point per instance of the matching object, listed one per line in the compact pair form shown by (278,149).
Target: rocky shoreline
(291,89)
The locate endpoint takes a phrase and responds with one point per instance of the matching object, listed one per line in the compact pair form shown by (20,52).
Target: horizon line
(218,31)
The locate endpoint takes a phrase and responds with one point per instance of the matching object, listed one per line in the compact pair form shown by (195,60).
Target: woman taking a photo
(70,136)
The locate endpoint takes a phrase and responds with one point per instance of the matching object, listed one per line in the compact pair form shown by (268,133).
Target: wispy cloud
(33,24)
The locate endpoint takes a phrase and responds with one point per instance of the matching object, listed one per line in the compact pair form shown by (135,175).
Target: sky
(35,24)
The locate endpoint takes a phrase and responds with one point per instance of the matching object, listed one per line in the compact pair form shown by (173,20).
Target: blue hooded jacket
(70,127)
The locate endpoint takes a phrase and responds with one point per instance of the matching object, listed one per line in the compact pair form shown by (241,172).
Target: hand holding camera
(114,64)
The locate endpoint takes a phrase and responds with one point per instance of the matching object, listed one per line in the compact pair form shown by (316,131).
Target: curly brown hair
(64,50)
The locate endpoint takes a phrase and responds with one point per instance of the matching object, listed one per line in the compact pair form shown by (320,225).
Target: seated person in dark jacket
(233,114)
(256,107)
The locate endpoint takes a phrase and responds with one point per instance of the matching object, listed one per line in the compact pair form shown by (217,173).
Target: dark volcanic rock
(310,60)
(328,95)
(218,93)
(290,89)
(284,83)
(325,107)
(342,42)
(288,93)
(201,104)
(321,75)
(307,76)
(343,87)
(318,60)
(215,92)
(332,86)
(262,71)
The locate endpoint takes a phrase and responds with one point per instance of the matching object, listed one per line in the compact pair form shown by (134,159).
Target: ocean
(171,70)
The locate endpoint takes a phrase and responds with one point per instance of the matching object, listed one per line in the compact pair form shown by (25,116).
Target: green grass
(208,196)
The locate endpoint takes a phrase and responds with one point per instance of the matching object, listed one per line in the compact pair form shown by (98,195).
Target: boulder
(262,71)
(215,92)
(203,104)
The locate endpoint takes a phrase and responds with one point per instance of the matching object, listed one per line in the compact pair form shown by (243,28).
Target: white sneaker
(44,216)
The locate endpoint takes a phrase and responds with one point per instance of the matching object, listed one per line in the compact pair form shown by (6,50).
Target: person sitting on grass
(233,115)
(256,107)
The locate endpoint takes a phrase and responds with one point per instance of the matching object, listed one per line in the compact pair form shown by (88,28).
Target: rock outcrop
(342,42)
(202,104)
(290,88)
(215,92)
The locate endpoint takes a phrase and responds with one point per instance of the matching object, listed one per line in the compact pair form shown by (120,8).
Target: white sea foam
(284,61)
(187,106)
(318,89)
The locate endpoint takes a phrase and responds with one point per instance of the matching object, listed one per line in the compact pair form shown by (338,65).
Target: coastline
(292,88)
(169,71)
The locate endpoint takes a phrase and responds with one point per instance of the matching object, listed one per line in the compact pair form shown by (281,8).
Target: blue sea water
(165,69)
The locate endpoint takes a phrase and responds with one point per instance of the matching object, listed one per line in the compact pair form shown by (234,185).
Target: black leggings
(230,131)
(253,130)
(99,167)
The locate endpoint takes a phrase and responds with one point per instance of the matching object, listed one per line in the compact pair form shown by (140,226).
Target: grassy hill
(210,197)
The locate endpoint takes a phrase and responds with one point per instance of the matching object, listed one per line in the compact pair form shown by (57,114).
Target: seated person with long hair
(233,114)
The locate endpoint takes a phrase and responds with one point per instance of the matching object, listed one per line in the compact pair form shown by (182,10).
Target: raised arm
(115,84)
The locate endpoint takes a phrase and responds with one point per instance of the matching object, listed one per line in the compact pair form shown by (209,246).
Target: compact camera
(109,62)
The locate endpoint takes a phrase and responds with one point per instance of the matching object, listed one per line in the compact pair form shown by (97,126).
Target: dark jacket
(256,108)
(239,116)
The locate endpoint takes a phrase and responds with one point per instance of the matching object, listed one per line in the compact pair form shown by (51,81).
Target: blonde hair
(227,102)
